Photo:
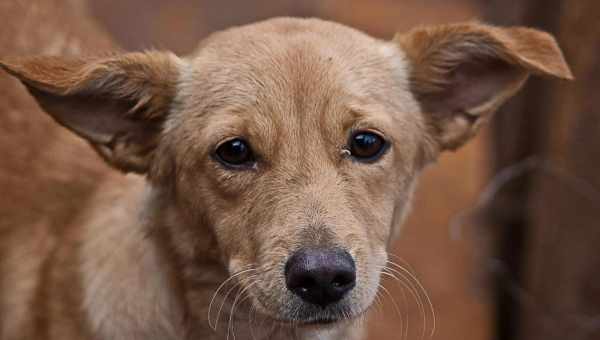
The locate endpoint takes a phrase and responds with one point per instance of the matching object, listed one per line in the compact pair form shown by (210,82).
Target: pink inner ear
(477,82)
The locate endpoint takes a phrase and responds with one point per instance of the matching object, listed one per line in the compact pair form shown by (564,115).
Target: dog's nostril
(304,282)
(342,280)
(320,276)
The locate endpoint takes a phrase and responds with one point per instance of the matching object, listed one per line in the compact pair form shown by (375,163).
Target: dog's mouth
(316,320)
(321,321)
(324,319)
(312,316)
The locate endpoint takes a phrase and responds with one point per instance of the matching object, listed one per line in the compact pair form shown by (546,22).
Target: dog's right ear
(118,103)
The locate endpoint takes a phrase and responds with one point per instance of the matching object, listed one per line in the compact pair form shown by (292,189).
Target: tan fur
(149,254)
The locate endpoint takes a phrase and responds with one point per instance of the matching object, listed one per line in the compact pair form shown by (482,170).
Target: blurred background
(504,235)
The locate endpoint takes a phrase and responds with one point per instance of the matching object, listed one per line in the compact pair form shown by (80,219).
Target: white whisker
(413,291)
(232,310)
(403,326)
(423,291)
(233,276)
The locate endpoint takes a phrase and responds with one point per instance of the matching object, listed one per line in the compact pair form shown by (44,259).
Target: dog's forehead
(283,62)
(286,32)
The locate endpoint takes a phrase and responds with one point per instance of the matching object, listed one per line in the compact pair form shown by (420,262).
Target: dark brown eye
(367,146)
(235,152)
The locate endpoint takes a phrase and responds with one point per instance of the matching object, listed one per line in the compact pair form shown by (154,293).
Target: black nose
(320,276)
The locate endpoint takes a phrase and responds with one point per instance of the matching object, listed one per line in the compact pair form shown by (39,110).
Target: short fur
(147,256)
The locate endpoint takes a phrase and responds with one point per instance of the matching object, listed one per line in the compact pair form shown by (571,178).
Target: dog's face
(295,142)
(301,153)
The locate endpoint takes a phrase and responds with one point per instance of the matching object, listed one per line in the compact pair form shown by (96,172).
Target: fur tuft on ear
(462,73)
(117,103)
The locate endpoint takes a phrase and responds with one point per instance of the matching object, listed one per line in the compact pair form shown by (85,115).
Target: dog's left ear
(117,103)
(461,73)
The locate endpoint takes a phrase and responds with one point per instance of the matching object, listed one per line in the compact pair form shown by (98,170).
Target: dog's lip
(318,320)
(314,320)
(311,320)
(321,321)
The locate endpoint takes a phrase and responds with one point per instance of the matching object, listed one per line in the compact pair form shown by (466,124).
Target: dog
(274,167)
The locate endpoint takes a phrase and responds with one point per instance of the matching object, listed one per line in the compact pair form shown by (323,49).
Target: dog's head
(295,142)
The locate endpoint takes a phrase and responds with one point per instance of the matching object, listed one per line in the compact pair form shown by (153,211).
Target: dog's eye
(234,152)
(366,145)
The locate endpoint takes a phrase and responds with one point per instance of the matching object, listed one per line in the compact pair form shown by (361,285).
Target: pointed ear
(462,73)
(117,103)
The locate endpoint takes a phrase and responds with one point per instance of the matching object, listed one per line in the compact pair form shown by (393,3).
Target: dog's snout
(320,276)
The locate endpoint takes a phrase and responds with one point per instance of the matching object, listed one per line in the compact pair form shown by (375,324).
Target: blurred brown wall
(547,218)
(445,266)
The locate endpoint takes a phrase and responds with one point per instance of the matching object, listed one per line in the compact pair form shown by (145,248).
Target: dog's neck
(138,285)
